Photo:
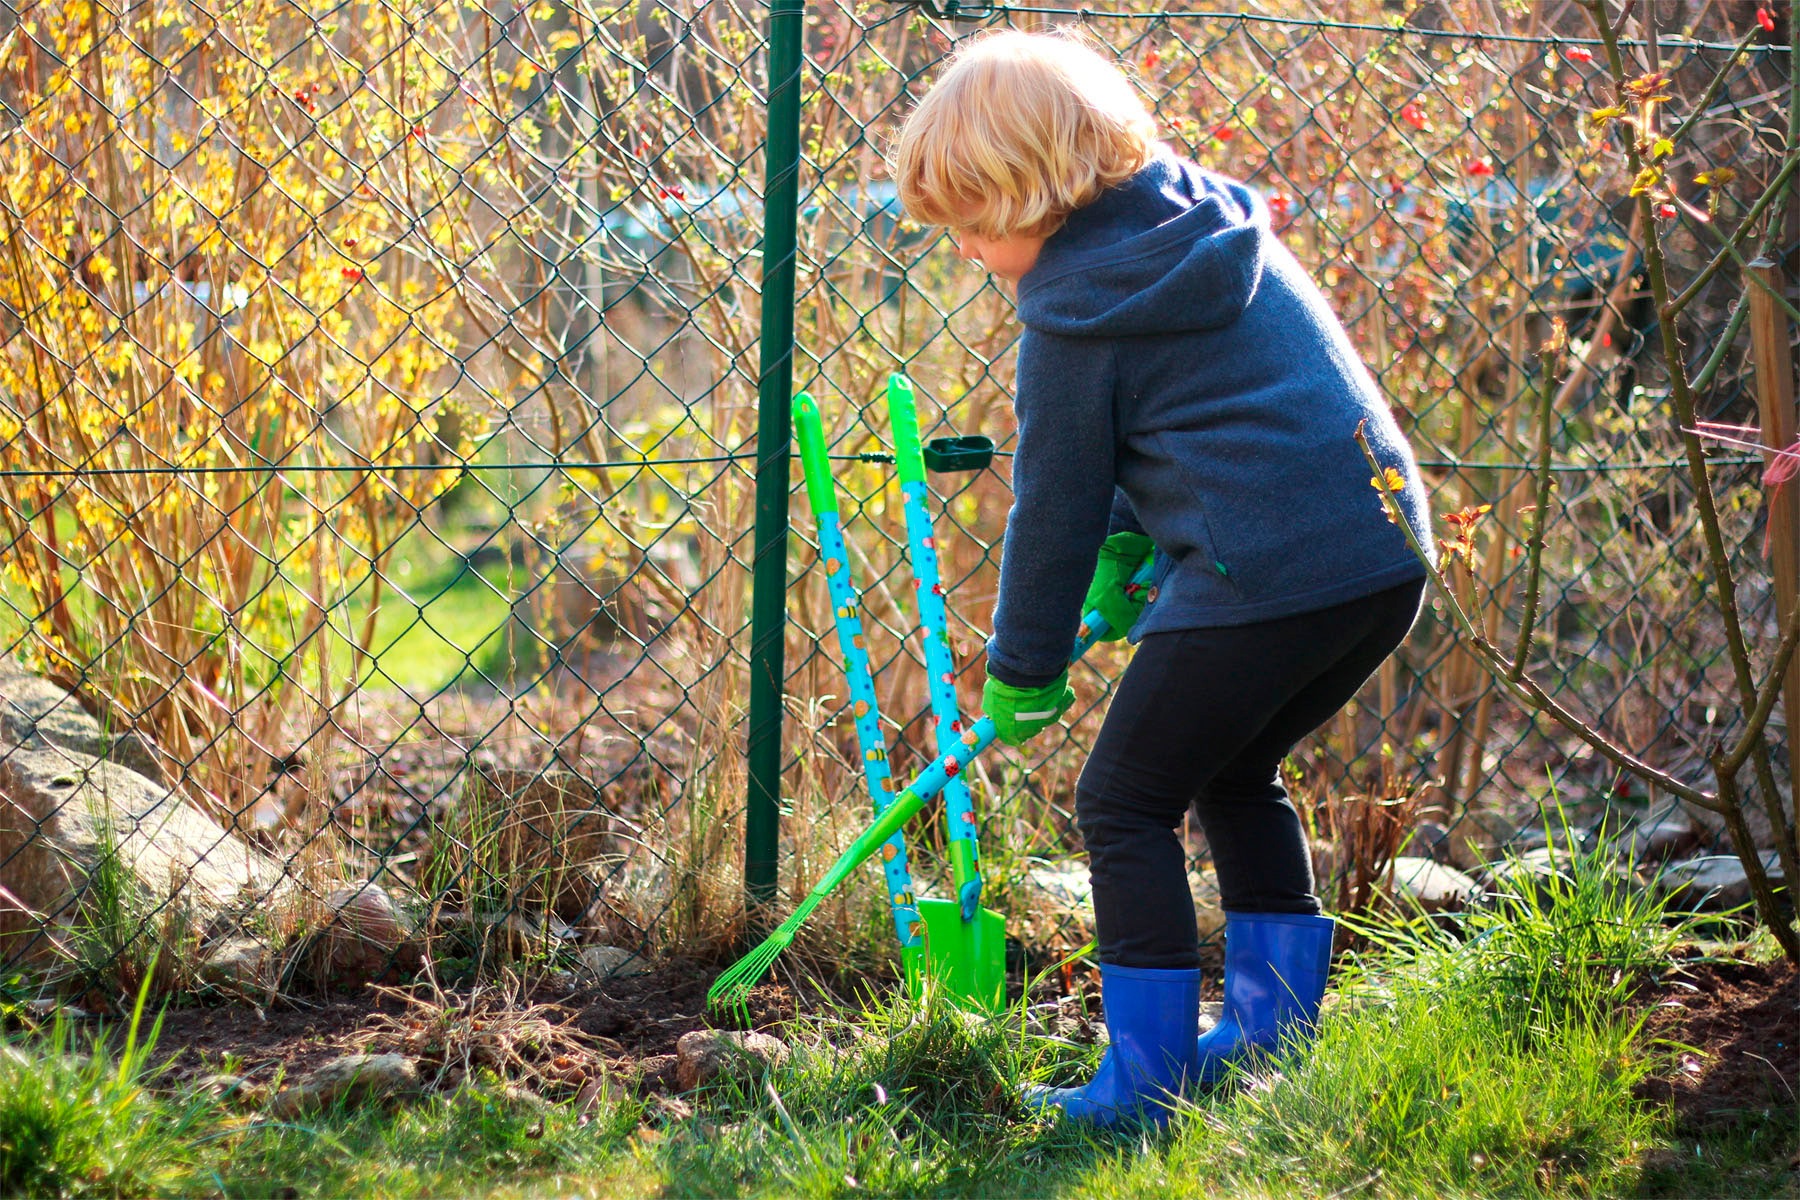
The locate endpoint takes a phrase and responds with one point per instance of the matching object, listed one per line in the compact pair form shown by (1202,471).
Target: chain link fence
(378,409)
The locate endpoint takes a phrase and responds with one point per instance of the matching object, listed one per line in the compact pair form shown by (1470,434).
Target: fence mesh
(377,412)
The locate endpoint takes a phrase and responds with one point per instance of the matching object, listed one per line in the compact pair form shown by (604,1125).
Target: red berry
(1665,211)
(1413,115)
(1580,54)
(1766,19)
(1280,205)
(1480,168)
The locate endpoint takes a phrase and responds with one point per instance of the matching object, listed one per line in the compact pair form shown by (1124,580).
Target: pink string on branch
(1782,468)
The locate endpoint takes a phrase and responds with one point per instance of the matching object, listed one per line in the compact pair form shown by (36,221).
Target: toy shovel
(732,988)
(965,944)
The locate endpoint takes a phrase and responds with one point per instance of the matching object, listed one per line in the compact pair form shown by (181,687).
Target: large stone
(1209,912)
(1714,883)
(1432,887)
(613,962)
(1477,836)
(62,812)
(1430,839)
(240,966)
(40,715)
(350,1080)
(706,1056)
(364,936)
(1066,885)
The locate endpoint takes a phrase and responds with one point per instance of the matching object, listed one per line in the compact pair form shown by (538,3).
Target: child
(1183,387)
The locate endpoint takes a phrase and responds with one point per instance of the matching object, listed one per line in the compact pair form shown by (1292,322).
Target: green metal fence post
(768,602)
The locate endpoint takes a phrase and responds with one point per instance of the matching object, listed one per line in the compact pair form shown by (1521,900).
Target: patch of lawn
(1496,1059)
(442,620)
(473,1142)
(82,1121)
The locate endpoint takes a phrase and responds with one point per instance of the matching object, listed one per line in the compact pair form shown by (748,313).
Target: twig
(1712,89)
(1776,187)
(1739,313)
(1522,685)
(1535,547)
(1718,558)
(1771,692)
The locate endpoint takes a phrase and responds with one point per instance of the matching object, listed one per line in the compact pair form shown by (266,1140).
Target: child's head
(1019,131)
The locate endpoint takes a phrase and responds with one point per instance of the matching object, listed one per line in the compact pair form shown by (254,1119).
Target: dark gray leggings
(1203,717)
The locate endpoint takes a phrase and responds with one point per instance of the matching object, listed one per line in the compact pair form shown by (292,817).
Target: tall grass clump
(1579,936)
(80,1120)
(1495,1056)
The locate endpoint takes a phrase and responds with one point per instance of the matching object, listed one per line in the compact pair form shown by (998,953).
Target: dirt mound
(1742,1022)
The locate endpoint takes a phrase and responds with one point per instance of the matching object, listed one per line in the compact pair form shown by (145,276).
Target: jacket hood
(1173,248)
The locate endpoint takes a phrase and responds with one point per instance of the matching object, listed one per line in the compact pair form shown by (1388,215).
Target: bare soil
(623,1028)
(1738,1029)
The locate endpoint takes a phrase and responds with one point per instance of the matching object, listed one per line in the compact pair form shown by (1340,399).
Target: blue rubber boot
(1275,968)
(1153,1021)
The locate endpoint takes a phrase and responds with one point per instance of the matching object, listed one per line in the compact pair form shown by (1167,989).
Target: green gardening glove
(1020,714)
(1120,557)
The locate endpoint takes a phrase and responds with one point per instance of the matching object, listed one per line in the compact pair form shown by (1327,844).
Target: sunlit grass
(1497,1059)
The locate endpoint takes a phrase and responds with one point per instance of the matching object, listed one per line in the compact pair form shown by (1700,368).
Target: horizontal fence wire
(375,388)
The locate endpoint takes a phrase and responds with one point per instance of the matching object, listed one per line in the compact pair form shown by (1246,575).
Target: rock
(1656,836)
(523,1097)
(1066,885)
(366,936)
(1477,836)
(233,1089)
(59,811)
(1714,883)
(670,1108)
(1211,1012)
(40,715)
(613,962)
(1209,913)
(51,1010)
(239,965)
(1432,887)
(543,831)
(708,1055)
(351,1079)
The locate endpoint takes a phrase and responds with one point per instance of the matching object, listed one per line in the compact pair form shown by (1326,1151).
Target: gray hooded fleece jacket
(1181,375)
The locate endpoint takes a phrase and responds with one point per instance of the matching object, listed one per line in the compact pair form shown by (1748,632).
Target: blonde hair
(1019,131)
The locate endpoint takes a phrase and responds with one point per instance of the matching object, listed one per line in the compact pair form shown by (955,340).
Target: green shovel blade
(966,959)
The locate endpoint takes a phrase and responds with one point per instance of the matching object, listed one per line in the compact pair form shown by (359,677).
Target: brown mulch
(1739,1026)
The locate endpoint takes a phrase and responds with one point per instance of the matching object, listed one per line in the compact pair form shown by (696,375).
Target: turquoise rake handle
(940,664)
(950,764)
(821,492)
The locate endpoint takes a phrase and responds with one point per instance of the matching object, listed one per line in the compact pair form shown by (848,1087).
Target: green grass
(1500,1061)
(452,620)
(83,1122)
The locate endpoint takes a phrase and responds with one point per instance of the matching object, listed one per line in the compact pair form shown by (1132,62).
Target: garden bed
(1738,1024)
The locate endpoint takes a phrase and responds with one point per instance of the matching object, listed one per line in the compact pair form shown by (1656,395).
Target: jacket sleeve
(1063,483)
